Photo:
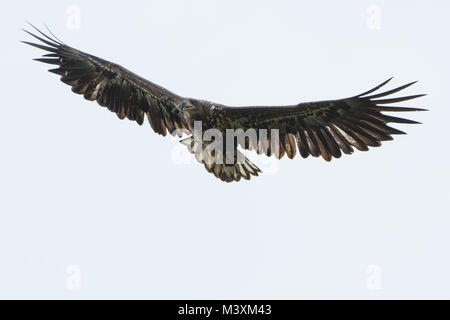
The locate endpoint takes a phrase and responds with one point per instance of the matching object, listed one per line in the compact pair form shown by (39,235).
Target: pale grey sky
(87,197)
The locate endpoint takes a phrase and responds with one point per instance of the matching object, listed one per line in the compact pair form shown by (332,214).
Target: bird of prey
(323,128)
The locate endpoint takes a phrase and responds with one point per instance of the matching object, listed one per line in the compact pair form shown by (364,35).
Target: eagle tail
(215,162)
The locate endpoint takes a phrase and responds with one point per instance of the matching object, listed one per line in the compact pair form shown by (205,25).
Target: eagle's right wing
(323,128)
(112,86)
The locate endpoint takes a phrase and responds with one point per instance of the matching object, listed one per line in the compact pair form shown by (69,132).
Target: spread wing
(324,128)
(112,86)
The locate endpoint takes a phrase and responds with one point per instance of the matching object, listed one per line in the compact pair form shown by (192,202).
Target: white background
(94,207)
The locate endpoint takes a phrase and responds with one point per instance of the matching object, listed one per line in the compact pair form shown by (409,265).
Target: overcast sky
(94,207)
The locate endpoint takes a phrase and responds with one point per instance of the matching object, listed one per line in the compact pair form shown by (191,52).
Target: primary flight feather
(323,128)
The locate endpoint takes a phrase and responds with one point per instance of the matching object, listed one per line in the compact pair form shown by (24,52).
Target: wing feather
(328,128)
(112,86)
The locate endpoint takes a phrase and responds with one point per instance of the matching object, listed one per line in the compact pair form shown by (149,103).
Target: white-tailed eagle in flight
(323,128)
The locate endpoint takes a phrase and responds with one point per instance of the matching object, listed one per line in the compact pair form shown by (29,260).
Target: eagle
(324,129)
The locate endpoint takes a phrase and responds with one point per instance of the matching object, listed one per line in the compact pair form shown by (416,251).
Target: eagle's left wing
(324,128)
(112,86)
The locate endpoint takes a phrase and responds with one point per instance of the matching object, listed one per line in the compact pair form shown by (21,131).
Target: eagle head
(192,110)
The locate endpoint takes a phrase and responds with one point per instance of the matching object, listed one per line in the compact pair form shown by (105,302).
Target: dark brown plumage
(324,128)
